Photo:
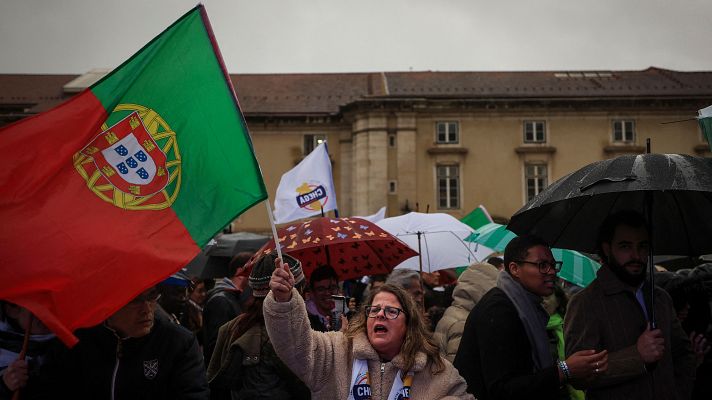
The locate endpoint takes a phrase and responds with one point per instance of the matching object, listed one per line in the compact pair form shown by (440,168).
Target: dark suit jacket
(495,354)
(606,315)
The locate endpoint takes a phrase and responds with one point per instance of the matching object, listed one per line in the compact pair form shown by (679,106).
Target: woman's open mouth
(380,328)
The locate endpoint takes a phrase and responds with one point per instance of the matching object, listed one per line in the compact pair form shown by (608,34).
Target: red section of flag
(68,256)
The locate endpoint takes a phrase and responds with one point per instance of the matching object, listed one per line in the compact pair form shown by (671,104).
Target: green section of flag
(178,76)
(706,126)
(477,218)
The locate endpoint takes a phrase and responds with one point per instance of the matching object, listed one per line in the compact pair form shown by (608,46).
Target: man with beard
(612,313)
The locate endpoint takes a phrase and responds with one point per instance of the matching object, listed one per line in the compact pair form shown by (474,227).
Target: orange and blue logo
(312,196)
(362,390)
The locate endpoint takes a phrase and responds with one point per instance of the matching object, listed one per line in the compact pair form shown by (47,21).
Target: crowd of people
(502,329)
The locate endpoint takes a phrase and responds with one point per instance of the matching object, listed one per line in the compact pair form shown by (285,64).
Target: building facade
(439,141)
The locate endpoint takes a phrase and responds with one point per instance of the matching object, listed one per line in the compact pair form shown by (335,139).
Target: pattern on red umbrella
(354,247)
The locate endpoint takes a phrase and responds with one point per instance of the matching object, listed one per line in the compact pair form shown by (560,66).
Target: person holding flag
(387,351)
(31,370)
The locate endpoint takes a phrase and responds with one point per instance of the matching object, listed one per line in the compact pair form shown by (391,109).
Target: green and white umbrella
(704,118)
(577,269)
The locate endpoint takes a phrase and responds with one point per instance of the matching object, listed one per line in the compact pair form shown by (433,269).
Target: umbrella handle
(651,262)
(420,254)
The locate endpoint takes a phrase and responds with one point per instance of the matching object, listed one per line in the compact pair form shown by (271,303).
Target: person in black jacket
(135,354)
(244,364)
(225,301)
(36,375)
(504,352)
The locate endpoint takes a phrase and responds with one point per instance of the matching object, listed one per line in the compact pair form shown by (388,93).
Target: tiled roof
(42,92)
(548,84)
(300,94)
(324,93)
(303,93)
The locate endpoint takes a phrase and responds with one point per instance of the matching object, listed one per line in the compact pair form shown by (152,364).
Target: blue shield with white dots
(121,150)
(141,156)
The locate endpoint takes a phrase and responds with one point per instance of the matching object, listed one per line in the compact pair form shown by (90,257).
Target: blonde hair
(417,336)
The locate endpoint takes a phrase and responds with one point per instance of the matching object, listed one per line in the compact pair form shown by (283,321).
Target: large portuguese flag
(117,188)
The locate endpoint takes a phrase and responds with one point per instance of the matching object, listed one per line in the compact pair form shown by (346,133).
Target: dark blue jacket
(165,364)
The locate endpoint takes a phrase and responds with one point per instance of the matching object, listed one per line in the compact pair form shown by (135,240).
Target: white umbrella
(438,237)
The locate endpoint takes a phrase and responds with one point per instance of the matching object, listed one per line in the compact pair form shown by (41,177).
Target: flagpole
(274,230)
(23,351)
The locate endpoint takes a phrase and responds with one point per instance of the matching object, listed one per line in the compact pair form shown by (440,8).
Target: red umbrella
(354,247)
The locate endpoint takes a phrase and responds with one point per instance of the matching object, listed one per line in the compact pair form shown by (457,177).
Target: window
(446,132)
(312,141)
(624,131)
(534,131)
(392,187)
(535,178)
(448,186)
(391,140)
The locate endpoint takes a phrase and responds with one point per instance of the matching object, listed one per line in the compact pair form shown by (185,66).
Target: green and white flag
(705,120)
(123,184)
(477,218)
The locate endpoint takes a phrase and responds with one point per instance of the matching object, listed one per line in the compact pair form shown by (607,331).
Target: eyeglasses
(388,312)
(544,266)
(151,297)
(324,289)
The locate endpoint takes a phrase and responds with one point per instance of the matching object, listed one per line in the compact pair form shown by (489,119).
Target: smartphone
(341,306)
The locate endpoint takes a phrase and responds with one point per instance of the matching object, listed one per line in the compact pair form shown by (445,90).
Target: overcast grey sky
(256,36)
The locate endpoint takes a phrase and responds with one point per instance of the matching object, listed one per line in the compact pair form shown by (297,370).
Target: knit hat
(177,279)
(262,272)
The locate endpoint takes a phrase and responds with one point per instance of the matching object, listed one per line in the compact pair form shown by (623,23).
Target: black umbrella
(214,260)
(568,213)
(673,191)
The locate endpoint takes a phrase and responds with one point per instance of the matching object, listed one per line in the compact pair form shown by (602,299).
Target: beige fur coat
(474,282)
(323,360)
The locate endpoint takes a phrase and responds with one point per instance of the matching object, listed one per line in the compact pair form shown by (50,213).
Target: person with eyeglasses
(386,353)
(323,283)
(504,352)
(135,354)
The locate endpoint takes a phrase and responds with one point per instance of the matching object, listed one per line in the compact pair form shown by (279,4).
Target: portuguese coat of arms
(129,158)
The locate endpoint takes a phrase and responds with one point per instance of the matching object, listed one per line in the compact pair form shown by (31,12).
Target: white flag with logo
(306,189)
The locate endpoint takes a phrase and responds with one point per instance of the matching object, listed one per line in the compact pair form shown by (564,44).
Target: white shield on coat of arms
(129,158)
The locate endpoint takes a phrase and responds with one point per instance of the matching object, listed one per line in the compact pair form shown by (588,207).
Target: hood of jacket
(473,283)
(220,286)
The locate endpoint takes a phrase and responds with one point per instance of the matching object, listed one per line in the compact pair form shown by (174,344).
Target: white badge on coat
(150,368)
